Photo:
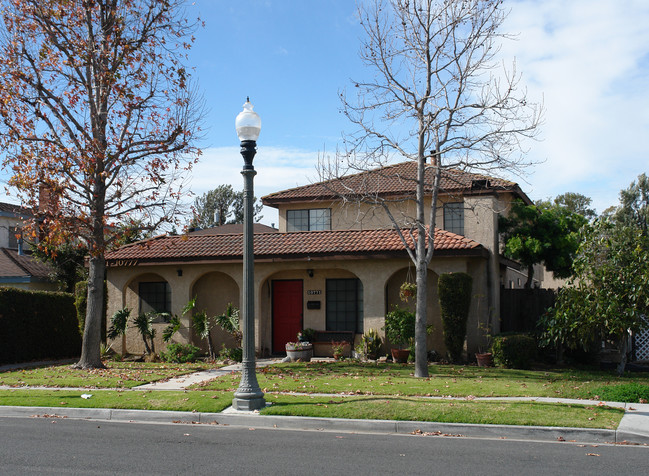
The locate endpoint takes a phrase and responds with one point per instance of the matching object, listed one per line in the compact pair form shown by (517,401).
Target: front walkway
(185,381)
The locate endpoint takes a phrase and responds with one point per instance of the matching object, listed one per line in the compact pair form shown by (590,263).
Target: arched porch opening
(435,340)
(213,292)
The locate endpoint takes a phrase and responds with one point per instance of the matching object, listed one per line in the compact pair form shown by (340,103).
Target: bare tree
(99,117)
(437,97)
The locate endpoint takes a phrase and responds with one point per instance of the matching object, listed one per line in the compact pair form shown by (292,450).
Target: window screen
(344,299)
(155,296)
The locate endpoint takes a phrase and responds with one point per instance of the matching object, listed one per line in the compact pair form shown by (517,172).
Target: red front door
(287,313)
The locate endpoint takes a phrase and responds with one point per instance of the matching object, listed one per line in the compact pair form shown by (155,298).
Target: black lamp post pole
(248,396)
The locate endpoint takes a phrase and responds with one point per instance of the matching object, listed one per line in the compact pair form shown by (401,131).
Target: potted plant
(407,290)
(400,331)
(483,357)
(307,335)
(338,349)
(301,350)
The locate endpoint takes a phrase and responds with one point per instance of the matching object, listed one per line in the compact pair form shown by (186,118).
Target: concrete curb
(250,420)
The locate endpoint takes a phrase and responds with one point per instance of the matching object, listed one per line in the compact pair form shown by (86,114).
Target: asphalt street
(46,445)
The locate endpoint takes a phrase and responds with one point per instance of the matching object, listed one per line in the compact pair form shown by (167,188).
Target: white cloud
(277,169)
(589,61)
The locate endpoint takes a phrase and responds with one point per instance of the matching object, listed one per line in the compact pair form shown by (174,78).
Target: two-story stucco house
(331,265)
(17,267)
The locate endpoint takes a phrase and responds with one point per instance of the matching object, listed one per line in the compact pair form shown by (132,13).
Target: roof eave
(476,252)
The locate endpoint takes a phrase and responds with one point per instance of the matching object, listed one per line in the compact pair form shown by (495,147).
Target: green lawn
(362,390)
(128,399)
(117,375)
(453,411)
(445,380)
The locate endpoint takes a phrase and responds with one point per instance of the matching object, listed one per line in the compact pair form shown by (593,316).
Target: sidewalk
(633,429)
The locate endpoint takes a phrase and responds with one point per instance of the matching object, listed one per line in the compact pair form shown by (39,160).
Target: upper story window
(13,237)
(454,217)
(155,296)
(308,220)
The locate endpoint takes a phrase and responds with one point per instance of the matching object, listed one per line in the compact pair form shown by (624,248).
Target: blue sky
(587,60)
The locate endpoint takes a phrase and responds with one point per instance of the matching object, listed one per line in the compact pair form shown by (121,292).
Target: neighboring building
(331,265)
(18,268)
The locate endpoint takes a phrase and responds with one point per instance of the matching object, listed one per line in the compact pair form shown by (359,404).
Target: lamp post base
(248,403)
(248,397)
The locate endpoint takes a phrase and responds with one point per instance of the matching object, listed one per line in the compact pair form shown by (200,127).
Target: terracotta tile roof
(284,245)
(397,179)
(13,265)
(232,228)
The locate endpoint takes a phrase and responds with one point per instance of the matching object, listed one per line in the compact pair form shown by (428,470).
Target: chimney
(434,159)
(46,199)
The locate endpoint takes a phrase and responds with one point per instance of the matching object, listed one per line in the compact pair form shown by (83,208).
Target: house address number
(312,292)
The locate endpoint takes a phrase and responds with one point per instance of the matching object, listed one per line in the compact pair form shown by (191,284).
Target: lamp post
(248,396)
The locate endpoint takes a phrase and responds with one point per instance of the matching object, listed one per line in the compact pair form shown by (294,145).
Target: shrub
(180,353)
(514,351)
(626,392)
(454,291)
(37,325)
(234,353)
(370,344)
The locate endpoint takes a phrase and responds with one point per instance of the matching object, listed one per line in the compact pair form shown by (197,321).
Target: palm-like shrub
(144,324)
(118,323)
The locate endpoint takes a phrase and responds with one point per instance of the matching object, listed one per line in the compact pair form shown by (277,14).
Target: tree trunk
(147,349)
(91,346)
(530,277)
(421,265)
(210,348)
(421,349)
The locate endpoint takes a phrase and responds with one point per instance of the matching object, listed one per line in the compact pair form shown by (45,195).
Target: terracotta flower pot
(400,356)
(485,360)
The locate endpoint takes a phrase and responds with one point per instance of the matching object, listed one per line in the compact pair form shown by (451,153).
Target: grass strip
(116,375)
(445,411)
(133,399)
(353,377)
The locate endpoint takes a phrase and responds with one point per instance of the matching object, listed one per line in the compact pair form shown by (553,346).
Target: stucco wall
(217,284)
(363,216)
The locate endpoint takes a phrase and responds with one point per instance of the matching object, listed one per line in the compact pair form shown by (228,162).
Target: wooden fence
(520,309)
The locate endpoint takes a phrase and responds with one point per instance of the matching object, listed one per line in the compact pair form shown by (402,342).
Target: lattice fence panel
(642,345)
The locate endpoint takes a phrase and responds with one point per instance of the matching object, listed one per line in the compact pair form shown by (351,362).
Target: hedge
(454,290)
(37,325)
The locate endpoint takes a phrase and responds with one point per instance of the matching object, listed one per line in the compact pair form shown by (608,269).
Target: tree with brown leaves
(100,119)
